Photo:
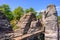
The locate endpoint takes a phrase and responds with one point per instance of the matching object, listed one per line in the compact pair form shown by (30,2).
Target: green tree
(31,10)
(18,12)
(27,10)
(7,12)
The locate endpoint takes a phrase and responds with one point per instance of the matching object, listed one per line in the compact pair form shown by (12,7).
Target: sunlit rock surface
(51,23)
(28,24)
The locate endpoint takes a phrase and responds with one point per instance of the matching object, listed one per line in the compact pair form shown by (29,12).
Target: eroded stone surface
(24,23)
(28,24)
(51,23)
(35,26)
(5,27)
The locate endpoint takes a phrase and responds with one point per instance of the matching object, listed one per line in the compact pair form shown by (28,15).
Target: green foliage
(18,12)
(59,19)
(1,8)
(31,10)
(39,16)
(7,11)
(27,10)
(13,23)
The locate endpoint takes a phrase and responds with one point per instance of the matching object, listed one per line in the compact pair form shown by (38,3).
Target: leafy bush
(13,23)
(59,19)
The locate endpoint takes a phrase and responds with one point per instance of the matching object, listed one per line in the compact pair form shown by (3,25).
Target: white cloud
(58,8)
(40,10)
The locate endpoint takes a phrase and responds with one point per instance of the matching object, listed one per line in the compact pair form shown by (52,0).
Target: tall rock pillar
(51,23)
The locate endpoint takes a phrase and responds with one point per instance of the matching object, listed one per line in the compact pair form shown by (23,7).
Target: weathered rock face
(35,26)
(5,27)
(59,31)
(51,23)
(28,24)
(24,23)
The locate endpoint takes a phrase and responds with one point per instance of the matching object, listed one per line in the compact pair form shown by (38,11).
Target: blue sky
(38,5)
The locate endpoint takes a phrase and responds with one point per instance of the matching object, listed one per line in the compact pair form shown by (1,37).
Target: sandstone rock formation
(24,23)
(29,24)
(51,23)
(5,27)
(35,26)
(59,31)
